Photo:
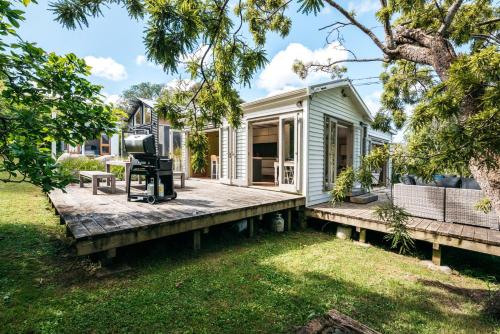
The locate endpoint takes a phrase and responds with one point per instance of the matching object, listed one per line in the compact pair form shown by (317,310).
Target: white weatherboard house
(298,141)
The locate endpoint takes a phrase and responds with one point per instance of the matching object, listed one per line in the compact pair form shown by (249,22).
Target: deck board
(104,221)
(469,237)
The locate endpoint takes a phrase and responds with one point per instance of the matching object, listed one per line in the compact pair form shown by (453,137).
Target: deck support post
(289,220)
(436,254)
(107,256)
(362,234)
(302,217)
(251,227)
(196,240)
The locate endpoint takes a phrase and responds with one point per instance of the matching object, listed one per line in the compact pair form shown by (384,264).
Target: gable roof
(343,83)
(311,90)
(135,102)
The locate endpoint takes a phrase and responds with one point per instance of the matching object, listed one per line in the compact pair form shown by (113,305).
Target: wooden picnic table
(94,176)
(125,164)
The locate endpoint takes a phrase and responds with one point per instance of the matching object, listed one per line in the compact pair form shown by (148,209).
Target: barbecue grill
(157,170)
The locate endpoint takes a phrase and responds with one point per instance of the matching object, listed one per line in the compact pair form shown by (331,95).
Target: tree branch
(488,38)
(449,17)
(387,25)
(211,44)
(354,60)
(329,67)
(362,27)
(488,22)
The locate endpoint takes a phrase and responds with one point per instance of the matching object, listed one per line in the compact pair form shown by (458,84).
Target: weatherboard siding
(224,154)
(332,103)
(241,138)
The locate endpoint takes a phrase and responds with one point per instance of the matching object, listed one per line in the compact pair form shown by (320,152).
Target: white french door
(289,149)
(226,144)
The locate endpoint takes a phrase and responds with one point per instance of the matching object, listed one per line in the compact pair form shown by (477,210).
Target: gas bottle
(151,187)
(161,189)
(278,223)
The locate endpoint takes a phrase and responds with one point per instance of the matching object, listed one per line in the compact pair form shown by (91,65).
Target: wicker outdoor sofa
(445,203)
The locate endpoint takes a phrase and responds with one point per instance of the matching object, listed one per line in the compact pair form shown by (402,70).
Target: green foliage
(145,90)
(311,6)
(44,98)
(72,166)
(442,137)
(198,144)
(397,218)
(205,37)
(456,117)
(484,205)
(346,179)
(343,185)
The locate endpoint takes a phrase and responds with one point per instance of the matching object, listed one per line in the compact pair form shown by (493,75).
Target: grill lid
(140,144)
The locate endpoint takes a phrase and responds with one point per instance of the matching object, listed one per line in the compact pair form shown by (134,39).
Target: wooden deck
(478,239)
(106,221)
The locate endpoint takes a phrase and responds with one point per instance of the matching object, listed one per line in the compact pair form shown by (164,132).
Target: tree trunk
(489,180)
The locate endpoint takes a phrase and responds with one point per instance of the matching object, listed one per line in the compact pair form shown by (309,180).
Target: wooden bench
(94,176)
(182,176)
(126,173)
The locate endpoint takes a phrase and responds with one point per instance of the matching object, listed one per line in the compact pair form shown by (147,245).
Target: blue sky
(113,44)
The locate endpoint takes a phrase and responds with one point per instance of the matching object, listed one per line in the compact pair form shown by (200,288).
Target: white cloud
(197,55)
(111,98)
(183,84)
(372,101)
(364,6)
(326,10)
(141,60)
(106,68)
(278,74)
(399,137)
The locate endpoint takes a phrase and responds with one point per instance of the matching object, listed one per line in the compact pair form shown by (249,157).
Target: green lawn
(270,284)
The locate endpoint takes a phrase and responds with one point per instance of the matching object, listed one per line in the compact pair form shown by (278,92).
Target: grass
(268,284)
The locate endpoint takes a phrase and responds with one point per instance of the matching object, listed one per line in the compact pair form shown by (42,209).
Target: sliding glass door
(288,171)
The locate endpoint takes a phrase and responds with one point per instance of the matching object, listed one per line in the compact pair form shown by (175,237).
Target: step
(356,192)
(363,199)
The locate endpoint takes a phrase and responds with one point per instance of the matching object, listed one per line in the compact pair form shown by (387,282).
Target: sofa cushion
(469,183)
(421,182)
(451,182)
(408,180)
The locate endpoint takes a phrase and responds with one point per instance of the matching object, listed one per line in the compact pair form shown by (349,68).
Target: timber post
(251,226)
(289,220)
(196,240)
(362,234)
(436,254)
(106,257)
(302,217)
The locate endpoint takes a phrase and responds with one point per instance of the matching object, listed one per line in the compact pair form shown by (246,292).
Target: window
(330,147)
(147,116)
(164,139)
(105,149)
(177,150)
(138,117)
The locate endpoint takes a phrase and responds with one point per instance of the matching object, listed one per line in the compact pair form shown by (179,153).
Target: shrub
(74,165)
(119,172)
(397,218)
